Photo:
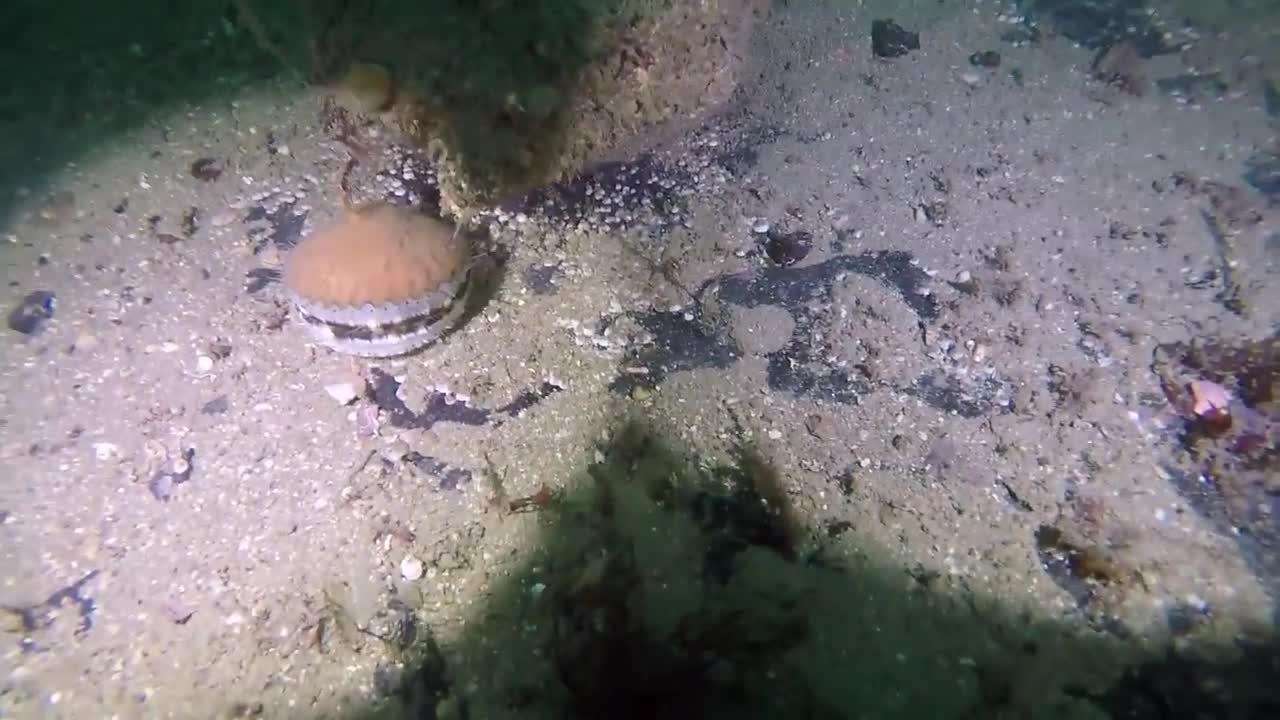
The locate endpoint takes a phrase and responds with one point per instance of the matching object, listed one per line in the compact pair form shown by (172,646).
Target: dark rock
(190,221)
(31,314)
(936,211)
(788,248)
(173,473)
(207,169)
(1098,24)
(985,58)
(216,406)
(257,279)
(889,39)
(286,222)
(541,278)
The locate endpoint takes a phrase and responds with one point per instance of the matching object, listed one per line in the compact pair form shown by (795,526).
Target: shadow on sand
(668,587)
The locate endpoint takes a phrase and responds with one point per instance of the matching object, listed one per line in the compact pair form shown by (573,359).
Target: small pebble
(216,406)
(174,473)
(411,568)
(366,420)
(344,392)
(985,58)
(161,487)
(84,342)
(105,450)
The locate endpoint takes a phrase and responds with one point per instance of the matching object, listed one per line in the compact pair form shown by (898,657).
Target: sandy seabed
(937,299)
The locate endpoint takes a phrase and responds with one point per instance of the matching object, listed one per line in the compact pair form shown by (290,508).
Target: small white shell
(411,568)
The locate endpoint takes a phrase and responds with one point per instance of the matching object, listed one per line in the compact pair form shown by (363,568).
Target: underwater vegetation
(669,584)
(507,97)
(1227,393)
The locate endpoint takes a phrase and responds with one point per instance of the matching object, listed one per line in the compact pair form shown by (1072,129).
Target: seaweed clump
(1239,435)
(693,624)
(1227,395)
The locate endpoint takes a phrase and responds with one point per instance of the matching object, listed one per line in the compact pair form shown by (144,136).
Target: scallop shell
(379,282)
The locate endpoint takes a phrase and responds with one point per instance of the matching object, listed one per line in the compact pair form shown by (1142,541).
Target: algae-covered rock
(509,95)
